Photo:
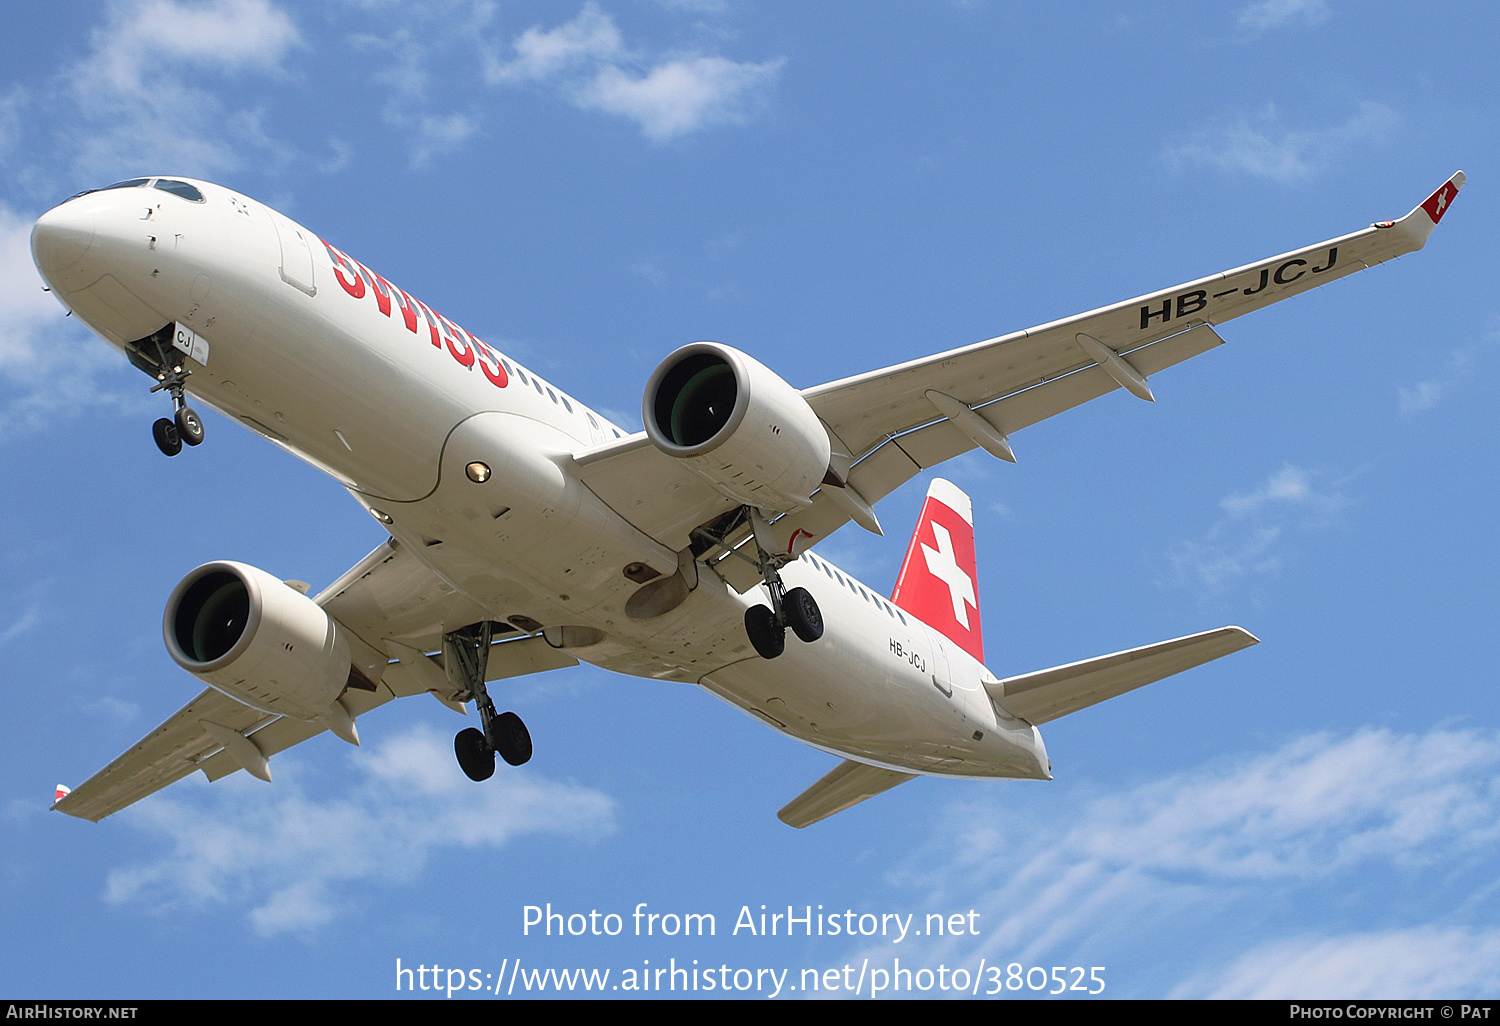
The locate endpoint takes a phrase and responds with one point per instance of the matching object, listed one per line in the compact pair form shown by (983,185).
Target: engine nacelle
(240,630)
(737,424)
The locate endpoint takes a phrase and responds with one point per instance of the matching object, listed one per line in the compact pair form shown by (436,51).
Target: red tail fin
(939,581)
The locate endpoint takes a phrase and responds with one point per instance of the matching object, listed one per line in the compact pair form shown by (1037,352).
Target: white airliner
(527,532)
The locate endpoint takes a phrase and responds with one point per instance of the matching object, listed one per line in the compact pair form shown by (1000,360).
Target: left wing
(390,602)
(887,425)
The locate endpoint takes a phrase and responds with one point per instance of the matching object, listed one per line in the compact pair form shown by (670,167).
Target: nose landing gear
(185,427)
(466,654)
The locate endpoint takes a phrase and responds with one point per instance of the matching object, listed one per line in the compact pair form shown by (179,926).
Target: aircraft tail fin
(939,582)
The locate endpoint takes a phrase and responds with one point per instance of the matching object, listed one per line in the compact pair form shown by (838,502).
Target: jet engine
(737,424)
(240,630)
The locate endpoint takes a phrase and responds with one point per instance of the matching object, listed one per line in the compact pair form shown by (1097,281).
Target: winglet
(63,791)
(1424,217)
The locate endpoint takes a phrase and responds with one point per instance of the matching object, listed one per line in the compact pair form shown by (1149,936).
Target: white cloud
(1426,962)
(27,620)
(24,307)
(1290,486)
(294,858)
(678,97)
(1189,854)
(592,36)
(1262,147)
(667,96)
(141,114)
(403,57)
(1274,14)
(1425,394)
(225,34)
(1244,541)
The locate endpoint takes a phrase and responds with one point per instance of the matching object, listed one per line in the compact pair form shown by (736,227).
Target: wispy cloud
(1244,541)
(1427,393)
(1425,962)
(294,859)
(27,620)
(403,58)
(1262,146)
(138,107)
(226,35)
(24,307)
(668,95)
(1227,844)
(1274,14)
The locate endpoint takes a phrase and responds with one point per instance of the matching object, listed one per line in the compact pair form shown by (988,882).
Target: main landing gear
(466,653)
(796,609)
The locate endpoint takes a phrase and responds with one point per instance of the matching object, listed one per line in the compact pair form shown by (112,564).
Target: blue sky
(832,188)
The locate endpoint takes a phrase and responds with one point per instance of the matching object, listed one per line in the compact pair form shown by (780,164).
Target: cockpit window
(128,184)
(183,189)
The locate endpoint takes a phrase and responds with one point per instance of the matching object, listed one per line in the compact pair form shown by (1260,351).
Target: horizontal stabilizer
(847,784)
(1047,694)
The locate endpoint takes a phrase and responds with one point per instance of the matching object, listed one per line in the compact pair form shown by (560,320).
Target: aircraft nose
(61,238)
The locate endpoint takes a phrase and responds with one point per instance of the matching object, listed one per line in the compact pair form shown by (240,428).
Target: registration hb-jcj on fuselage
(527,532)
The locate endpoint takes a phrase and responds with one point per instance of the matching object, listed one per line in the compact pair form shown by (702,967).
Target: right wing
(890,429)
(887,425)
(391,603)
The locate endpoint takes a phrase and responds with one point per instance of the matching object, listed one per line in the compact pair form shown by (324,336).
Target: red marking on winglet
(1437,203)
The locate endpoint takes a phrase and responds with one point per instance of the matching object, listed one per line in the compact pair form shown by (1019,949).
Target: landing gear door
(190,343)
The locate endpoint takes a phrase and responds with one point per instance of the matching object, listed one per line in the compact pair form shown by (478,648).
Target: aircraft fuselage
(346,370)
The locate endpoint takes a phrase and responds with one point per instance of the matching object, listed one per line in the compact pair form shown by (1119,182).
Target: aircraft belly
(865,690)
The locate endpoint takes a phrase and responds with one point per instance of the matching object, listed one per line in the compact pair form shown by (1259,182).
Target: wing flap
(1048,694)
(284,732)
(846,785)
